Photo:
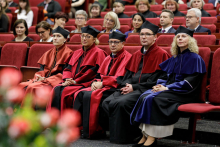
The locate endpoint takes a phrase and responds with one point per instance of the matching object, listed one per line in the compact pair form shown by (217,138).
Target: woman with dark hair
(60,19)
(44,30)
(95,11)
(173,6)
(3,20)
(118,8)
(21,30)
(24,12)
(137,20)
(5,6)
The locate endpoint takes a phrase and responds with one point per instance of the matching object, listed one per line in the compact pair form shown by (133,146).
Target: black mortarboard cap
(149,25)
(90,30)
(62,31)
(117,35)
(182,29)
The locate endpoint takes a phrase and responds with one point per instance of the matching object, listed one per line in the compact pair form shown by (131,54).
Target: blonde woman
(156,109)
(111,23)
(199,4)
(173,6)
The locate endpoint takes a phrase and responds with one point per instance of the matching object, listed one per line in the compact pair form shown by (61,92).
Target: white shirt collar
(167,29)
(196,28)
(49,40)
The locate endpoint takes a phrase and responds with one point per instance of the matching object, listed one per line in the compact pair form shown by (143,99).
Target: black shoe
(154,144)
(138,145)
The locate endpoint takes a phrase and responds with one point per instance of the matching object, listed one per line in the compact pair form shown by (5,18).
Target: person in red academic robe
(87,101)
(82,68)
(142,73)
(51,63)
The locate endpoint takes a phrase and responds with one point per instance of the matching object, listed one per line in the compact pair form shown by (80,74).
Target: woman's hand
(158,88)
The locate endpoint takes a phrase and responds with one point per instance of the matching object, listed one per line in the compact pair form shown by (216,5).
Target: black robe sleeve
(4,23)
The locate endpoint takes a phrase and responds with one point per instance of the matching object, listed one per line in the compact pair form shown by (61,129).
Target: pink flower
(10,77)
(68,136)
(9,111)
(15,95)
(42,96)
(50,118)
(70,118)
(18,127)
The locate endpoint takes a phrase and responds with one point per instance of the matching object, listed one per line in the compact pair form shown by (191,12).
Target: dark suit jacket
(171,30)
(13,4)
(202,29)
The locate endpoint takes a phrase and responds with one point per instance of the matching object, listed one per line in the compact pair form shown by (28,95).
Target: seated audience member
(157,109)
(178,1)
(81,69)
(141,75)
(60,19)
(173,6)
(5,6)
(3,20)
(166,20)
(80,20)
(24,12)
(107,80)
(95,11)
(199,4)
(119,8)
(75,6)
(51,7)
(143,7)
(137,20)
(193,20)
(20,30)
(12,4)
(44,30)
(51,63)
(111,23)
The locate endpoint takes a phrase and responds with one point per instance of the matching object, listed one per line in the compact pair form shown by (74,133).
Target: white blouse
(28,18)
(49,40)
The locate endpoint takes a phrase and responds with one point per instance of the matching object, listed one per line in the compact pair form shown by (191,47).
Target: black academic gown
(178,13)
(122,15)
(118,107)
(149,14)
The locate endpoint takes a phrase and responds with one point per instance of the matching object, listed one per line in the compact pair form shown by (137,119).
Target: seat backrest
(6,37)
(75,38)
(155,21)
(159,1)
(132,49)
(35,11)
(157,12)
(35,37)
(182,7)
(133,39)
(177,26)
(125,21)
(104,38)
(35,53)
(103,14)
(130,13)
(34,3)
(14,54)
(124,28)
(209,20)
(213,13)
(10,21)
(156,7)
(130,8)
(211,27)
(70,28)
(74,47)
(208,6)
(98,27)
(12,9)
(95,21)
(165,40)
(32,29)
(205,39)
(179,20)
(105,48)
(71,22)
(167,49)
(62,4)
(214,92)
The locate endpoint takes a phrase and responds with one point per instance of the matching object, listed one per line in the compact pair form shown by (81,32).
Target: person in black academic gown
(157,109)
(119,8)
(173,6)
(3,20)
(12,4)
(142,73)
(143,7)
(199,4)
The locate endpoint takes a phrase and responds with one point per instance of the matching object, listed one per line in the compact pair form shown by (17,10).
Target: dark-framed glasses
(145,34)
(115,42)
(41,32)
(85,36)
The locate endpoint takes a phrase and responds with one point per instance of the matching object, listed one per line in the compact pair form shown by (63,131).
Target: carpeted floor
(207,135)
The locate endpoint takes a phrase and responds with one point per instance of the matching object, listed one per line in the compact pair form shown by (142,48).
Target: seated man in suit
(193,20)
(166,20)
(12,4)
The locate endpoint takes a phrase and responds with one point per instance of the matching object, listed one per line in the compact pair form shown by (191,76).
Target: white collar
(167,29)
(49,40)
(196,28)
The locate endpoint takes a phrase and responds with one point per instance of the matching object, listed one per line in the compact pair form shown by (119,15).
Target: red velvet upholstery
(16,1)
(177,26)
(211,27)
(70,28)
(198,108)
(159,1)
(130,8)
(212,12)
(14,54)
(157,12)
(62,4)
(10,21)
(6,37)
(12,9)
(74,47)
(132,49)
(71,22)
(124,28)
(34,3)
(35,11)
(104,38)
(156,7)
(75,38)
(208,6)
(125,21)
(133,39)
(98,27)
(105,48)
(205,39)
(209,20)
(32,29)
(103,14)
(179,20)
(35,53)
(155,21)
(182,7)
(130,13)
(35,37)
(95,21)
(165,39)
(167,49)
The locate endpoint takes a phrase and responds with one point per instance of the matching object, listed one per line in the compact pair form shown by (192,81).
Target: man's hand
(68,82)
(96,85)
(158,88)
(127,89)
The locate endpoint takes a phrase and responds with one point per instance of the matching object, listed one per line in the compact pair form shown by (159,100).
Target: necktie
(163,31)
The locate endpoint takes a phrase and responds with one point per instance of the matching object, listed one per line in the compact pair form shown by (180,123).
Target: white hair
(81,12)
(197,12)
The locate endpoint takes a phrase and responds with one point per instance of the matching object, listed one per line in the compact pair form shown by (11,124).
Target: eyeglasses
(189,17)
(142,4)
(40,32)
(110,20)
(115,42)
(80,18)
(146,35)
(85,36)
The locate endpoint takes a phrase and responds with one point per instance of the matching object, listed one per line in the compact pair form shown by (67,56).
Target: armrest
(28,72)
(8,66)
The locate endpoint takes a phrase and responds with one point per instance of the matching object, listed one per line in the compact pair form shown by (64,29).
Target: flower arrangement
(22,126)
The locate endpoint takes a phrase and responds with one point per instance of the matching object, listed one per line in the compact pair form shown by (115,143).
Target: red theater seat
(133,39)
(167,49)
(132,49)
(103,14)
(105,48)
(62,4)
(70,28)
(6,37)
(208,6)
(75,38)
(34,3)
(212,12)
(32,29)
(182,7)
(155,21)
(211,27)
(125,21)
(156,7)
(208,20)
(130,13)
(71,22)
(130,8)
(165,40)
(12,9)
(179,20)
(35,37)
(124,28)
(98,27)
(104,38)
(14,54)
(157,12)
(177,26)
(35,11)
(10,21)
(95,21)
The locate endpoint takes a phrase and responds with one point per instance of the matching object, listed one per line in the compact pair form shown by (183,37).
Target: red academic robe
(109,80)
(91,58)
(53,62)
